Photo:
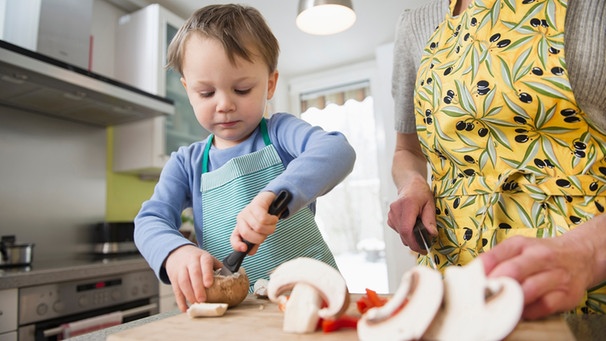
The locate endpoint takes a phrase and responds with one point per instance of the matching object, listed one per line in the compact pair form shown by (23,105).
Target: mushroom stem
(302,307)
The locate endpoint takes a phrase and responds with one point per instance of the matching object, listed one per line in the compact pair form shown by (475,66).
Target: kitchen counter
(589,327)
(42,272)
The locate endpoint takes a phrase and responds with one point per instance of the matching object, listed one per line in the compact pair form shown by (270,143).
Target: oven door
(86,322)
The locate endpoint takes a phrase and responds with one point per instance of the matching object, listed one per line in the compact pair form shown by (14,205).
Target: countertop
(83,267)
(583,327)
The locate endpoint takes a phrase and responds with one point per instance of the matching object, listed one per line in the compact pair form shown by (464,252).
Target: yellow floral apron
(511,152)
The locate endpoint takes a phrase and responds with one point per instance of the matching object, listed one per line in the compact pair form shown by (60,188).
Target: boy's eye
(242,91)
(207,94)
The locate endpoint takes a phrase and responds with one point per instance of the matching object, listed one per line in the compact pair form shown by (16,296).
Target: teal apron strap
(264,132)
(209,143)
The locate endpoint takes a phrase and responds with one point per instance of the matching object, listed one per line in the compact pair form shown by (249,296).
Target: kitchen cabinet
(8,314)
(142,39)
(41,26)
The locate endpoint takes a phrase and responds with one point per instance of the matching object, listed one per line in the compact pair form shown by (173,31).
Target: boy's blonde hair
(241,29)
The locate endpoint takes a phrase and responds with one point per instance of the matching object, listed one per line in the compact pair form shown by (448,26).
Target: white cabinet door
(8,311)
(144,147)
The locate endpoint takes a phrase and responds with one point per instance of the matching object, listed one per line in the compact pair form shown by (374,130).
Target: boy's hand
(190,270)
(254,224)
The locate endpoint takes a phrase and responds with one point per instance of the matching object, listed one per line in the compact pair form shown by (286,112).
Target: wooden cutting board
(260,319)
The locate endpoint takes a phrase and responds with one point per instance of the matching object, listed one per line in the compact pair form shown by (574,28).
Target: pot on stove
(15,254)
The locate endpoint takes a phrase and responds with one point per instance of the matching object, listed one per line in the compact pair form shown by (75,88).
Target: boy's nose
(225,103)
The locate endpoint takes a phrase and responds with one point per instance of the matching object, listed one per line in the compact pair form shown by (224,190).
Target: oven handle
(125,313)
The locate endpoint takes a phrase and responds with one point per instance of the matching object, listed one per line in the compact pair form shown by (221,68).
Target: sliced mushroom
(301,309)
(476,308)
(319,279)
(206,309)
(260,288)
(327,280)
(504,306)
(408,314)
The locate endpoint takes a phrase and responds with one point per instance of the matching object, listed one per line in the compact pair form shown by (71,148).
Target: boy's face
(228,100)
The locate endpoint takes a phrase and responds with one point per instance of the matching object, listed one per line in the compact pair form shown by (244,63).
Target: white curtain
(337,95)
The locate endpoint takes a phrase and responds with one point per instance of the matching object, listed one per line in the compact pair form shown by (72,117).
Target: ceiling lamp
(323,17)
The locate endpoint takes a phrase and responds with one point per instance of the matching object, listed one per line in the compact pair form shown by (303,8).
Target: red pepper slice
(363,304)
(375,299)
(344,321)
(370,300)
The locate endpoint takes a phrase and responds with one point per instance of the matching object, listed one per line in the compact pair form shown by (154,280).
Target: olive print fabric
(511,152)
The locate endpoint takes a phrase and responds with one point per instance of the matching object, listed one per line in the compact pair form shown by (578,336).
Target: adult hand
(254,224)
(190,270)
(414,200)
(554,272)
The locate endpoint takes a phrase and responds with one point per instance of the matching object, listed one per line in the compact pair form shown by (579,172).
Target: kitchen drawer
(8,311)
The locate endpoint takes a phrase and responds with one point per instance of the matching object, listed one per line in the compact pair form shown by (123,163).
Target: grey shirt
(585,55)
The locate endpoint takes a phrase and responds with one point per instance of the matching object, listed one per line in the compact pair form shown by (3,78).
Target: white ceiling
(303,53)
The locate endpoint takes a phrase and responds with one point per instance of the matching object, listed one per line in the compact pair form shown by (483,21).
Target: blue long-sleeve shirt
(315,161)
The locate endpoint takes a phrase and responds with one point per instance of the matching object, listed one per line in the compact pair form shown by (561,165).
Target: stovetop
(76,261)
(43,271)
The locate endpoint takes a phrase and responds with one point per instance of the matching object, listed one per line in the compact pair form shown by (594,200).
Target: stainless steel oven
(66,309)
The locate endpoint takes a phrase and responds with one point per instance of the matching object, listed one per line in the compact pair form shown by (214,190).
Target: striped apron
(227,190)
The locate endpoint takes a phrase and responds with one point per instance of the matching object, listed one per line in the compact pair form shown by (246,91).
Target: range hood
(37,83)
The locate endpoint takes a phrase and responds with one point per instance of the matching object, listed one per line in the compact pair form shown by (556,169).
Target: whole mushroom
(231,289)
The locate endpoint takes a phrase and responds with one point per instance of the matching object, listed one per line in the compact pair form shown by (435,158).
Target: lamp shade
(323,17)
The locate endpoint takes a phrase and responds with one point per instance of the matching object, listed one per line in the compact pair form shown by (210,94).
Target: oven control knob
(42,309)
(58,306)
(83,301)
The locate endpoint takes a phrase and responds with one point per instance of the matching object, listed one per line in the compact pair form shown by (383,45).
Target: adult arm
(554,272)
(409,169)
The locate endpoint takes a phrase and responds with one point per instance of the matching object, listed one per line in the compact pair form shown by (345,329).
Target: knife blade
(233,261)
(424,239)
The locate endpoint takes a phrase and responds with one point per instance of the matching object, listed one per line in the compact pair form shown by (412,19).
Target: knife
(232,262)
(424,240)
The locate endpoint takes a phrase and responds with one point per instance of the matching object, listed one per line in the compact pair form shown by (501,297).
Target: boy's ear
(184,83)
(272,82)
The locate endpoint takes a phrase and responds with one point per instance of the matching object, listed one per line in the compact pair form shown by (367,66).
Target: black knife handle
(233,261)
(421,233)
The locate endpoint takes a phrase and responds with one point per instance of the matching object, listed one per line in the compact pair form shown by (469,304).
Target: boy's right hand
(190,270)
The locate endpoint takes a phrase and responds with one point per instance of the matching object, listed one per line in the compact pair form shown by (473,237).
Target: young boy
(227,57)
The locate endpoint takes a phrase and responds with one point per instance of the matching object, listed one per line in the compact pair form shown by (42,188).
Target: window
(350,216)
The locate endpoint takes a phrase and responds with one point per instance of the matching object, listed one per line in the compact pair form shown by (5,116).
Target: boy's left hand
(254,223)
